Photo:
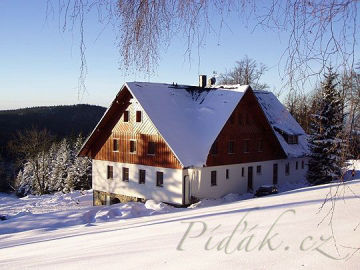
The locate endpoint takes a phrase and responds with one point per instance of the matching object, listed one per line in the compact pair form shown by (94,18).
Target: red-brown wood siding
(126,131)
(256,129)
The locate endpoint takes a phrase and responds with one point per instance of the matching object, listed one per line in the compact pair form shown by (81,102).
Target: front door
(275,174)
(250,179)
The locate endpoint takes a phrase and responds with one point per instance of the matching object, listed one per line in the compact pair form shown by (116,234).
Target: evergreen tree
(326,142)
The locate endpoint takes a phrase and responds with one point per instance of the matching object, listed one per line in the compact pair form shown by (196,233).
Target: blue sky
(40,63)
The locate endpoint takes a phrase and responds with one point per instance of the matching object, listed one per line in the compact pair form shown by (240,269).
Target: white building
(177,143)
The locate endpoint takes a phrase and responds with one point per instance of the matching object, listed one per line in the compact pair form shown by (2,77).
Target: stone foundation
(99,198)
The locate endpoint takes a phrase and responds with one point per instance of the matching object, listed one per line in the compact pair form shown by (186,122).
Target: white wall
(170,192)
(201,178)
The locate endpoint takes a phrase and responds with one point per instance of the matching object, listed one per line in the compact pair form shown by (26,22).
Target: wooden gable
(246,137)
(114,130)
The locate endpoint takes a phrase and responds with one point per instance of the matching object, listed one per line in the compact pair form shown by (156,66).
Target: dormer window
(292,139)
(289,138)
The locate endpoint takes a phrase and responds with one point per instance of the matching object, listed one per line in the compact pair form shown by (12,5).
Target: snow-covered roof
(189,119)
(282,121)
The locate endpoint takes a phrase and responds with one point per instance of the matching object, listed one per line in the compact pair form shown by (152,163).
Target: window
(302,164)
(151,148)
(132,146)
(213,178)
(258,169)
(116,145)
(126,116)
(240,120)
(296,165)
(125,174)
(260,145)
(138,116)
(292,139)
(242,172)
(159,179)
(110,172)
(231,147)
(287,169)
(142,176)
(227,174)
(246,146)
(214,149)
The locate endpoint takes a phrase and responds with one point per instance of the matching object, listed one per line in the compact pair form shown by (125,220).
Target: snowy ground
(64,231)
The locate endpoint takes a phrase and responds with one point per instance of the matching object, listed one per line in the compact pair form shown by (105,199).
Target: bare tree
(319,32)
(246,71)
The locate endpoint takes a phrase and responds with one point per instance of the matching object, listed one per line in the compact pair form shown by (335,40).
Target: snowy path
(151,242)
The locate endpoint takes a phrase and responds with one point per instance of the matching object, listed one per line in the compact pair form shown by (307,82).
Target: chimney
(202,81)
(212,81)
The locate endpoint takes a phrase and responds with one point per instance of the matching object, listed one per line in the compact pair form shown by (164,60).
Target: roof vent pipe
(202,81)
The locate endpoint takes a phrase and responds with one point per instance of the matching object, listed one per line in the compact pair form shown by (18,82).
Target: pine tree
(326,142)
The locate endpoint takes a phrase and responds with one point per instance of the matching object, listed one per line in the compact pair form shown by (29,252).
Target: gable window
(260,145)
(242,171)
(302,164)
(110,172)
(116,145)
(142,174)
(258,169)
(138,116)
(214,149)
(296,165)
(213,178)
(240,120)
(126,116)
(132,146)
(151,148)
(246,146)
(287,168)
(159,179)
(125,174)
(231,147)
(227,174)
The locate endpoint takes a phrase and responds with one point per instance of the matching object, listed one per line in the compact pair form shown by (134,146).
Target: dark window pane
(115,145)
(231,147)
(132,146)
(227,173)
(125,175)
(138,116)
(159,179)
(258,169)
(142,176)
(126,116)
(151,148)
(110,173)
(213,178)
(242,172)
